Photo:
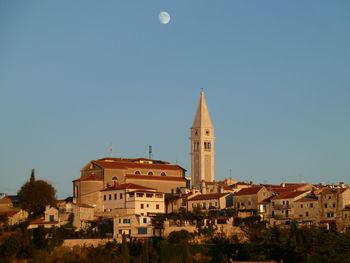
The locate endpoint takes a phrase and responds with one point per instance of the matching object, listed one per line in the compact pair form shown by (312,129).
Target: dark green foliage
(125,256)
(182,236)
(35,195)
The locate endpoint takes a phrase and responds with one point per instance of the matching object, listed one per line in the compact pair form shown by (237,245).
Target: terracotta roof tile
(155,177)
(90,177)
(249,191)
(307,199)
(288,195)
(207,196)
(124,165)
(127,186)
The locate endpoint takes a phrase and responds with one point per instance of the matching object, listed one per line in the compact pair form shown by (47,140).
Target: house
(14,216)
(247,200)
(306,210)
(283,206)
(83,215)
(5,203)
(99,174)
(210,201)
(50,219)
(133,226)
(346,217)
(331,202)
(131,198)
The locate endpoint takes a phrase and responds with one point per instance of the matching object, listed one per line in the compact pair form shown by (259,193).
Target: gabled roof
(90,177)
(154,177)
(10,213)
(249,191)
(122,163)
(307,199)
(127,186)
(346,208)
(207,196)
(288,195)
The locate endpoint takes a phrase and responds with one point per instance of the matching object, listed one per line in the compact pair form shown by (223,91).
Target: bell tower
(202,145)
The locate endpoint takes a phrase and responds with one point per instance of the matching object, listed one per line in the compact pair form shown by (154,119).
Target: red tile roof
(207,196)
(89,177)
(127,186)
(307,199)
(123,164)
(288,195)
(346,208)
(9,212)
(155,177)
(249,191)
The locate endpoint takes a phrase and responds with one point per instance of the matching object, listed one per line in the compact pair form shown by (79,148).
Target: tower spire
(202,144)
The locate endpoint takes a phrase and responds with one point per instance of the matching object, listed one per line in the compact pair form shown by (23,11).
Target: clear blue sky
(77,75)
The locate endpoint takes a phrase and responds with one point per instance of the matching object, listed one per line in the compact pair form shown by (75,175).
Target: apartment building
(132,199)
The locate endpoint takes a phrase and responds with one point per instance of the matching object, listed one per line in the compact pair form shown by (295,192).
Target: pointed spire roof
(202,117)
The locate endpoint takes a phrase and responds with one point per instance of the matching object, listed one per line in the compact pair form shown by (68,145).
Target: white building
(131,198)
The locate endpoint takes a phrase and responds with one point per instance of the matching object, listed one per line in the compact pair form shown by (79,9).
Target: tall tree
(34,195)
(125,257)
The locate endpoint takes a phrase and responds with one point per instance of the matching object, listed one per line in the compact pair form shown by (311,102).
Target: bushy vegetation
(292,245)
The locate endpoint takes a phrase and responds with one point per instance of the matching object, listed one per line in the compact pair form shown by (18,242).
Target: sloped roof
(154,177)
(202,118)
(127,186)
(307,199)
(288,195)
(249,191)
(89,177)
(207,196)
(120,163)
(10,212)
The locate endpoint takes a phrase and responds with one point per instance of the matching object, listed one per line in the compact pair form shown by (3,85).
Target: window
(333,205)
(137,173)
(272,213)
(120,220)
(207,132)
(126,221)
(273,203)
(120,231)
(52,218)
(216,203)
(249,203)
(142,231)
(150,173)
(115,196)
(284,202)
(204,205)
(104,197)
(121,196)
(142,206)
(345,216)
(306,213)
(163,174)
(110,197)
(147,205)
(157,206)
(196,132)
(144,220)
(325,206)
(311,205)
(329,197)
(287,202)
(301,206)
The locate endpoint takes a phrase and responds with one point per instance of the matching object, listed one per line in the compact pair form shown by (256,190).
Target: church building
(202,145)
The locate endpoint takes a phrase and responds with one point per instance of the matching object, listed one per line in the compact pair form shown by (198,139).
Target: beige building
(132,199)
(209,201)
(100,174)
(306,210)
(14,216)
(283,206)
(331,203)
(202,145)
(346,217)
(133,226)
(249,198)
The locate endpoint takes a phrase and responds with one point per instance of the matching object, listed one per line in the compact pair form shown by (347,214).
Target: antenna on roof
(150,154)
(110,150)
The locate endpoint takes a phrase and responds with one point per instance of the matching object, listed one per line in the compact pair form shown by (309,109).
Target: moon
(164,17)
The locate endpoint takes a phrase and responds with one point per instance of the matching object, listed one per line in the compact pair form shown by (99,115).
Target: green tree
(34,195)
(145,252)
(125,255)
